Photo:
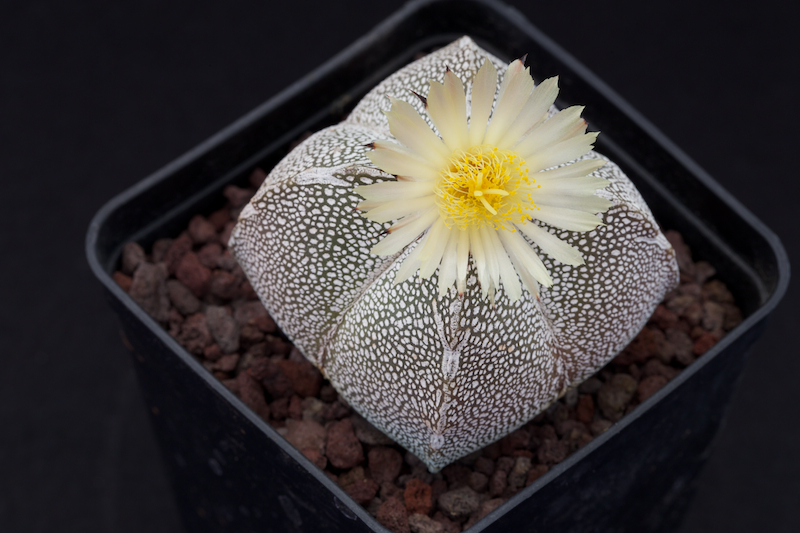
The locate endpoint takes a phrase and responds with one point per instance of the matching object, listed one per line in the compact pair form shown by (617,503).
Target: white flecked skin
(441,376)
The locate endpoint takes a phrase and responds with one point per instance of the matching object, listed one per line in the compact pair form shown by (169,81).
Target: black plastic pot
(232,472)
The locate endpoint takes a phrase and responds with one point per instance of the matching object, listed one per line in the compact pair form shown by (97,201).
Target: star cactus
(536,259)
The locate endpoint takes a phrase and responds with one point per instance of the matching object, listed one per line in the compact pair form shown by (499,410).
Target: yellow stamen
(487,206)
(478,187)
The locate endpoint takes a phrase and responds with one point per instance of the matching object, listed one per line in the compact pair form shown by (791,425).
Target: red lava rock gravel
(392,515)
(385,463)
(194,288)
(418,496)
(420,523)
(343,449)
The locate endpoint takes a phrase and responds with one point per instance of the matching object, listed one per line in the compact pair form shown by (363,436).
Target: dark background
(96,95)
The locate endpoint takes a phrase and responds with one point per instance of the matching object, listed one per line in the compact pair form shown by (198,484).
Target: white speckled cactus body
(443,375)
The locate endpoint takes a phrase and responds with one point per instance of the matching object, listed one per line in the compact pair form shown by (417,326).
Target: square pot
(232,471)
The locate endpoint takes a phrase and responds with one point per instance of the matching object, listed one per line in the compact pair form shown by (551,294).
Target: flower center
(481,186)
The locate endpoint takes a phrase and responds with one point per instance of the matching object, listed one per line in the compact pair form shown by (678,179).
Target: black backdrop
(96,95)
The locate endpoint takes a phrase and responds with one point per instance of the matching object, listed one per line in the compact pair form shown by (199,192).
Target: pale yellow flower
(480,186)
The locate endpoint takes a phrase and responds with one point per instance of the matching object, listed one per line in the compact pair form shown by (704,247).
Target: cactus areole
(454,256)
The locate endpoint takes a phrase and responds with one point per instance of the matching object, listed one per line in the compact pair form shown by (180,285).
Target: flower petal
(507,272)
(447,270)
(366,205)
(584,185)
(478,252)
(552,245)
(568,219)
(563,125)
(574,170)
(492,264)
(431,254)
(395,159)
(400,238)
(515,90)
(447,107)
(590,203)
(514,242)
(513,69)
(411,263)
(407,220)
(400,208)
(527,279)
(483,88)
(462,259)
(560,153)
(387,191)
(533,113)
(410,129)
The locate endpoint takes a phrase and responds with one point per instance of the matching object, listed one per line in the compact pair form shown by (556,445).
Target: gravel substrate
(196,290)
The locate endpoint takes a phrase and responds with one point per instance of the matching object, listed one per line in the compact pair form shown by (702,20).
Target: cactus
(517,261)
